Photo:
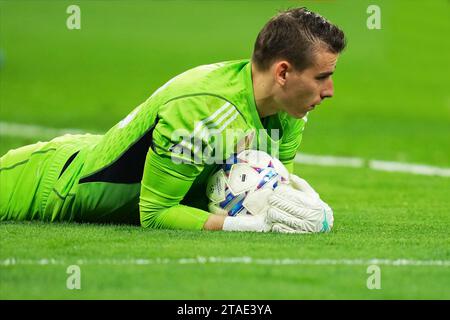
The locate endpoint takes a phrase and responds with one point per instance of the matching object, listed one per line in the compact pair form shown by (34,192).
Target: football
(244,183)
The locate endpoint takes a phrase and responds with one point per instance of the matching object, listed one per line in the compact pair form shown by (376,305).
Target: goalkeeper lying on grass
(136,173)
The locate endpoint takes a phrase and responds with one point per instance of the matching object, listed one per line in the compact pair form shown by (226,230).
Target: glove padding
(297,208)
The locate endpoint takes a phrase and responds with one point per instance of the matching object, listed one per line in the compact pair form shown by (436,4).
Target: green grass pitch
(391,103)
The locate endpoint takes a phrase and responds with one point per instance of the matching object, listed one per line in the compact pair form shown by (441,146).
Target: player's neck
(262,90)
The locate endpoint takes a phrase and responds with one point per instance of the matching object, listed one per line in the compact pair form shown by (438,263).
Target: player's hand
(297,208)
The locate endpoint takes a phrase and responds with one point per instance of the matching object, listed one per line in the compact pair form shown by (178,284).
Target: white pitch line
(331,161)
(228,260)
(409,168)
(378,165)
(34,131)
(9,129)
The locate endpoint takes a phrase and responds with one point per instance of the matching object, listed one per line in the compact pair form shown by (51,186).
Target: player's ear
(280,69)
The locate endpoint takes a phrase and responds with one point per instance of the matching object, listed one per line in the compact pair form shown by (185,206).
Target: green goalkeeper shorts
(28,176)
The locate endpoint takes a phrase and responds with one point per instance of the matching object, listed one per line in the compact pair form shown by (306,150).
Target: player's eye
(322,77)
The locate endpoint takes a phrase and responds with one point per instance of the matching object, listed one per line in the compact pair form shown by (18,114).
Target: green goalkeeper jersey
(152,166)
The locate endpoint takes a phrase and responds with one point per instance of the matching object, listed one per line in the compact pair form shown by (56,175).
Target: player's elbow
(149,214)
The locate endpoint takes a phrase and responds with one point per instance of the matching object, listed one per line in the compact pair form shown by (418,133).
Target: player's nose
(328,90)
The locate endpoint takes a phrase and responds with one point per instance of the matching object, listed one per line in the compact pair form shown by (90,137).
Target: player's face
(303,90)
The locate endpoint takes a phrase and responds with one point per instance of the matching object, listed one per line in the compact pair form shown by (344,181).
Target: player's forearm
(177,217)
(189,218)
(214,222)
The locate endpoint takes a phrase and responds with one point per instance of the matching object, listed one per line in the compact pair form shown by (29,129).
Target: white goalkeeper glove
(297,208)
(256,223)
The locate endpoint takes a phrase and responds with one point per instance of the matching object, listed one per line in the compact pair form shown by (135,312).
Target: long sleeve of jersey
(168,175)
(163,187)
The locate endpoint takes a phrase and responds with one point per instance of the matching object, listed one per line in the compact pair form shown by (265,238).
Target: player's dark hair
(293,35)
